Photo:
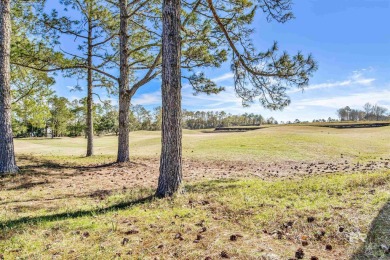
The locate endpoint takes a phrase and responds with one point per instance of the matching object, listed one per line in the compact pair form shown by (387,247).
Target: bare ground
(97,181)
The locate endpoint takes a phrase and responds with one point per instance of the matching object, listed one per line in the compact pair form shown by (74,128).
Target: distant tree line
(44,114)
(212,119)
(369,112)
(57,116)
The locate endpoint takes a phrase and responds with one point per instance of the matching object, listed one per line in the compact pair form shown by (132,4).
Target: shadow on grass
(35,166)
(40,162)
(17,223)
(28,185)
(45,169)
(53,164)
(193,188)
(99,193)
(377,243)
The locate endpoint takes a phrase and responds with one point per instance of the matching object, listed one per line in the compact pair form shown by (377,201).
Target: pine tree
(93,29)
(7,154)
(265,75)
(140,55)
(171,152)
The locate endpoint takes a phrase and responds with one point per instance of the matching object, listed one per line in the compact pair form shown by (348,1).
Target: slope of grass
(284,143)
(244,219)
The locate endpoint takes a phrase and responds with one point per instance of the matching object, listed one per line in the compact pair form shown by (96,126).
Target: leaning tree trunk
(7,155)
(171,153)
(124,97)
(89,95)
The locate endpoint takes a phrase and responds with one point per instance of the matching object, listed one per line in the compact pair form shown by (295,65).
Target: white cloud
(357,100)
(153,98)
(357,78)
(223,77)
(211,101)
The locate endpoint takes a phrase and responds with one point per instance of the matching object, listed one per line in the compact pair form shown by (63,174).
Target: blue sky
(350,39)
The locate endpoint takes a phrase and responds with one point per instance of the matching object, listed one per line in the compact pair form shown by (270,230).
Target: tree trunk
(124,97)
(7,155)
(171,152)
(89,95)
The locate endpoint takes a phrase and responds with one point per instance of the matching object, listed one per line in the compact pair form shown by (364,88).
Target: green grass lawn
(58,210)
(285,143)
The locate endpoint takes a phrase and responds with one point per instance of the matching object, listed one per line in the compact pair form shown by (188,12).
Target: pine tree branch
(26,93)
(104,41)
(148,77)
(234,48)
(133,3)
(112,2)
(137,9)
(66,31)
(67,68)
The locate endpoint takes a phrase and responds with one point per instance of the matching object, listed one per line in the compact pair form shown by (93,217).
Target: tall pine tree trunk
(171,153)
(89,95)
(7,155)
(124,97)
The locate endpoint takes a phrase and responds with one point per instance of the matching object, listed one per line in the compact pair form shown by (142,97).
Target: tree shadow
(377,243)
(28,185)
(46,171)
(99,193)
(18,223)
(33,166)
(41,162)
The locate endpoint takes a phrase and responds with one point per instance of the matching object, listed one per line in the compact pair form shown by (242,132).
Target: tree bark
(124,97)
(171,152)
(7,154)
(90,93)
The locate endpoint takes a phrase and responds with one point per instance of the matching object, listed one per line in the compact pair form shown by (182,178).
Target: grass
(66,206)
(285,143)
(135,225)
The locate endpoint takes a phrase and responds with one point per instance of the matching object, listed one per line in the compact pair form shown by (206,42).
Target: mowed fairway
(276,193)
(286,143)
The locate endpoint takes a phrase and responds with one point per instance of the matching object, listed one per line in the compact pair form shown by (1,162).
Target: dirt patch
(59,182)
